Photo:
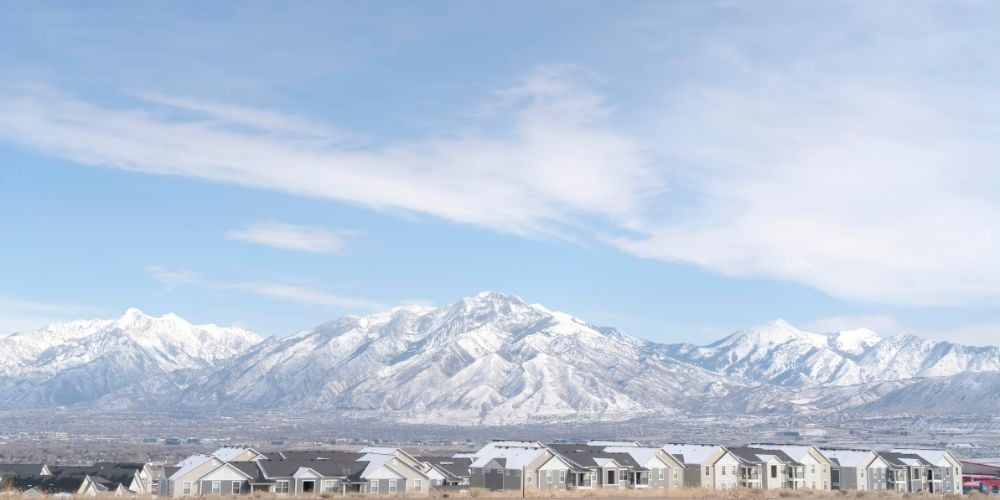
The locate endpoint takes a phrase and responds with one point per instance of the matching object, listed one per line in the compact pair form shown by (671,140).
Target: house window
(774,471)
(236,487)
(329,486)
(529,477)
(548,476)
(187,487)
(723,473)
(392,486)
(373,486)
(562,476)
(418,485)
(216,487)
(281,486)
(623,474)
(675,473)
(708,471)
(812,469)
(660,473)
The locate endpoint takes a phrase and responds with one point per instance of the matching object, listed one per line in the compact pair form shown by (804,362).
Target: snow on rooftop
(189,463)
(847,458)
(516,456)
(640,454)
(932,456)
(693,453)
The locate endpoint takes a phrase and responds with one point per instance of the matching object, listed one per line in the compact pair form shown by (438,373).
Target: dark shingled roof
(897,459)
(7,470)
(581,456)
(326,463)
(752,455)
(456,468)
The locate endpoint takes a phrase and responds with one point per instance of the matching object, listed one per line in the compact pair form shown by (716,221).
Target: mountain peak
(132,316)
(495,297)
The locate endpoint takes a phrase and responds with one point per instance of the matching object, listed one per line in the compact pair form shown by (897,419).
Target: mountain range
(488,359)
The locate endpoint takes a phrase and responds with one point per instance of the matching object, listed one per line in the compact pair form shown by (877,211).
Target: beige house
(711,467)
(664,470)
(817,467)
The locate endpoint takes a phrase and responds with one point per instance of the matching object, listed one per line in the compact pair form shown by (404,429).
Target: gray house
(851,469)
(775,468)
(911,473)
(665,470)
(446,472)
(508,465)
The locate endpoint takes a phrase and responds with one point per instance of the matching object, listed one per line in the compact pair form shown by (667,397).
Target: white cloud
(304,295)
(18,314)
(549,158)
(272,290)
(976,334)
(276,234)
(883,324)
(862,168)
(875,179)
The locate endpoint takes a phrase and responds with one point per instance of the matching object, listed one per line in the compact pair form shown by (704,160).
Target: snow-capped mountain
(492,358)
(66,363)
(781,354)
(489,358)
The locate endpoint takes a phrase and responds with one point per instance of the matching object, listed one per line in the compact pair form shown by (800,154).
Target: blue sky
(678,170)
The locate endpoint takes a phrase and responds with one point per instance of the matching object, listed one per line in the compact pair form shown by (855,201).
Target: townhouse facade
(519,467)
(712,467)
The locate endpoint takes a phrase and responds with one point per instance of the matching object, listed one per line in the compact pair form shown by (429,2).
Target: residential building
(712,467)
(951,480)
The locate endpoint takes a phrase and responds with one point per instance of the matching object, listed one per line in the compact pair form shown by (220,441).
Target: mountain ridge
(490,358)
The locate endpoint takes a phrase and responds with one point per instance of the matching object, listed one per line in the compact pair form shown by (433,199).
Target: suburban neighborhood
(518,468)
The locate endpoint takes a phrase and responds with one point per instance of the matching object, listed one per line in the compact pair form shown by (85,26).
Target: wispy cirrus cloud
(173,278)
(314,239)
(864,167)
(548,159)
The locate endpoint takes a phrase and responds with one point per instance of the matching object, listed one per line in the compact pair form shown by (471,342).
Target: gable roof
(641,454)
(189,464)
(761,455)
(691,453)
(932,456)
(583,456)
(21,469)
(228,453)
(515,454)
(904,459)
(452,467)
(847,457)
(326,463)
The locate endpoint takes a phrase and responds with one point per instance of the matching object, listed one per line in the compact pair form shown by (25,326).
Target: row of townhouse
(901,470)
(520,466)
(101,478)
(532,466)
(238,471)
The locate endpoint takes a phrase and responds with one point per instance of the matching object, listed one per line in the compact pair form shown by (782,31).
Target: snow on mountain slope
(778,353)
(968,392)
(490,358)
(71,362)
